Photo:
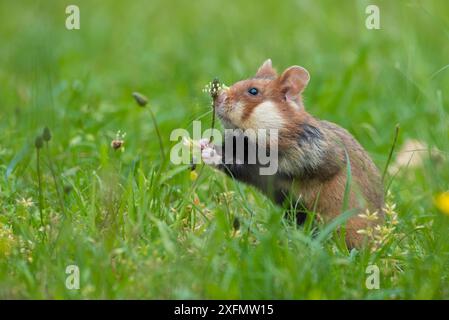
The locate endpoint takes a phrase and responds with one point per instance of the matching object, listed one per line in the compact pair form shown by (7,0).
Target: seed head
(39,142)
(117,144)
(213,88)
(46,135)
(140,99)
(236,224)
(119,141)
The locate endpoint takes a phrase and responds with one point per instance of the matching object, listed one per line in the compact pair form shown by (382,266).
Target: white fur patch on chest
(265,116)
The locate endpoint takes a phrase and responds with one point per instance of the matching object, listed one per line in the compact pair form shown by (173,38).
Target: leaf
(170,174)
(334,224)
(17,158)
(348,182)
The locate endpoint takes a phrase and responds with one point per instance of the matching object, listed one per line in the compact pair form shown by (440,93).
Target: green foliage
(137,226)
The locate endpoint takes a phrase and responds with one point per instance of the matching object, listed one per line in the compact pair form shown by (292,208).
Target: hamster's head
(266,101)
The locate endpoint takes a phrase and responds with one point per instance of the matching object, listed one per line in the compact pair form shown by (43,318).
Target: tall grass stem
(390,155)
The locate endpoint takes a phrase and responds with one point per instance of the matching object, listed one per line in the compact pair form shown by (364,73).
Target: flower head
(214,87)
(46,134)
(140,99)
(39,142)
(26,203)
(369,216)
(119,141)
(7,240)
(193,175)
(442,202)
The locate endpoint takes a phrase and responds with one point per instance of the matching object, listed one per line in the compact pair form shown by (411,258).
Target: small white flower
(369,216)
(26,203)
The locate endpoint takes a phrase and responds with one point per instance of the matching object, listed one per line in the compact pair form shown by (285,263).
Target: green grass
(140,228)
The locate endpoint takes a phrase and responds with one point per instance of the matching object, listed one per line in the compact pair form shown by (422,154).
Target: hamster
(312,153)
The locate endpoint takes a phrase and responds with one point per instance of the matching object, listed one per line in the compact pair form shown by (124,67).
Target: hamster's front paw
(205,143)
(210,156)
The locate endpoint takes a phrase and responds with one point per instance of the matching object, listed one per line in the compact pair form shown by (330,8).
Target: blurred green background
(137,227)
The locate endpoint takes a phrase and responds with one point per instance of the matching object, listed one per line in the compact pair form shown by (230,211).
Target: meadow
(139,227)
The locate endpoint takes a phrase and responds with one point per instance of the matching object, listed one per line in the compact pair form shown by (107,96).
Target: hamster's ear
(266,70)
(293,81)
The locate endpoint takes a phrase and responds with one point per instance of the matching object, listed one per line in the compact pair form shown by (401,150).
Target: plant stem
(41,200)
(393,146)
(50,165)
(214,95)
(161,145)
(213,122)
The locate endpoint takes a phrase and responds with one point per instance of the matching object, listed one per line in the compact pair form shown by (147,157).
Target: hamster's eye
(253,91)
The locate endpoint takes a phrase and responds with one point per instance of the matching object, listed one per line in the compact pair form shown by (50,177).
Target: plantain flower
(38,142)
(46,134)
(119,141)
(140,99)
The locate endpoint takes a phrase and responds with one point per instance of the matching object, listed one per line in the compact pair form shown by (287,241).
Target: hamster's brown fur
(312,167)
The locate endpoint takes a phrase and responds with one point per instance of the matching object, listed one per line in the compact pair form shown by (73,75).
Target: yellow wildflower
(193,175)
(442,202)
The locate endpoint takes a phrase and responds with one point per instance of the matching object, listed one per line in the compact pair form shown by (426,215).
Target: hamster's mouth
(220,108)
(225,121)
